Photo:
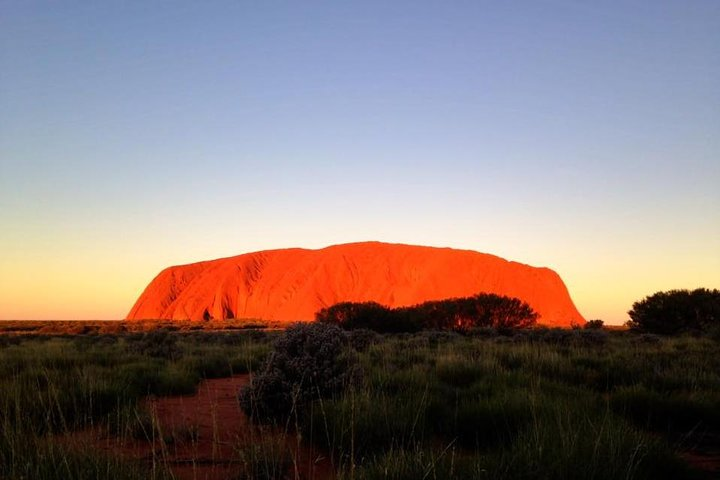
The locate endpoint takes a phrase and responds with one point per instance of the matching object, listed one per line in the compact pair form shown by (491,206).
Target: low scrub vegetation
(51,386)
(459,314)
(309,361)
(485,403)
(541,403)
(537,405)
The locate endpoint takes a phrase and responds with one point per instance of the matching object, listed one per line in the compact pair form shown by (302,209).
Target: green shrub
(677,311)
(308,361)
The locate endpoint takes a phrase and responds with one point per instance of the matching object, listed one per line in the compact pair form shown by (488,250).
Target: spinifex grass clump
(309,361)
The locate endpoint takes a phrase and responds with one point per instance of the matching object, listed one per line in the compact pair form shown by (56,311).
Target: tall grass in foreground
(53,386)
(541,405)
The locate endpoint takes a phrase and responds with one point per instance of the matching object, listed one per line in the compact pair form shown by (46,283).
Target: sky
(579,135)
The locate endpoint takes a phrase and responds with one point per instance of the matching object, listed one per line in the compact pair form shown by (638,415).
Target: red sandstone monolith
(292,284)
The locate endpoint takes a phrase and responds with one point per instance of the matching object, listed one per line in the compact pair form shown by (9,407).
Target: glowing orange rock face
(292,284)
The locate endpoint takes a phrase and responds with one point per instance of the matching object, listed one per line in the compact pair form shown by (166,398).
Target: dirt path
(199,434)
(705,455)
(206,436)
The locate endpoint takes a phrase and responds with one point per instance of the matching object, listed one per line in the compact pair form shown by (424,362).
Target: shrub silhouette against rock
(677,311)
(460,314)
(353,315)
(309,361)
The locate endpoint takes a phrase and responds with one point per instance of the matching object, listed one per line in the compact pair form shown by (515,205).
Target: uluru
(292,284)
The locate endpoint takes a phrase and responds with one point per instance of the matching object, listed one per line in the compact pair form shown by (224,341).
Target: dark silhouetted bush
(677,311)
(309,361)
(485,310)
(370,315)
(594,324)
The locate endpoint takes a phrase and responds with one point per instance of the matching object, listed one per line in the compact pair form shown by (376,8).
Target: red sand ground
(293,284)
(705,457)
(206,437)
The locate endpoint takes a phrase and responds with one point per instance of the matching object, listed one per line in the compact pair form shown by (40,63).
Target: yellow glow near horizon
(61,291)
(86,284)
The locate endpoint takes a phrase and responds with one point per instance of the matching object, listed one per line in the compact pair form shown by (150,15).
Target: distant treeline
(460,314)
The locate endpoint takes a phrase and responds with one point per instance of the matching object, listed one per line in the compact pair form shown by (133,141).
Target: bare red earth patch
(705,456)
(206,436)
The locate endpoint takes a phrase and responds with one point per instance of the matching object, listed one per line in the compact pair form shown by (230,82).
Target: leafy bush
(308,361)
(483,310)
(596,324)
(677,311)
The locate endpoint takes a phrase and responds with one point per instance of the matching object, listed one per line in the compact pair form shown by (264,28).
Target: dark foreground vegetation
(52,386)
(534,404)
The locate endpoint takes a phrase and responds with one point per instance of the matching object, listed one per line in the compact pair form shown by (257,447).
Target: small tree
(677,311)
(596,324)
(503,312)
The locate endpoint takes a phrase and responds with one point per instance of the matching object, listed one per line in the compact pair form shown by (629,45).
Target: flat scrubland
(536,404)
(91,327)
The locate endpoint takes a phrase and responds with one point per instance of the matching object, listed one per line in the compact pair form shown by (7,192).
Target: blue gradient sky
(579,135)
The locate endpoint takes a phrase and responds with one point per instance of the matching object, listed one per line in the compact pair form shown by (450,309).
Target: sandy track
(206,436)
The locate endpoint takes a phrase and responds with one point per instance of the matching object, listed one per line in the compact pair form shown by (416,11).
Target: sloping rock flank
(292,284)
